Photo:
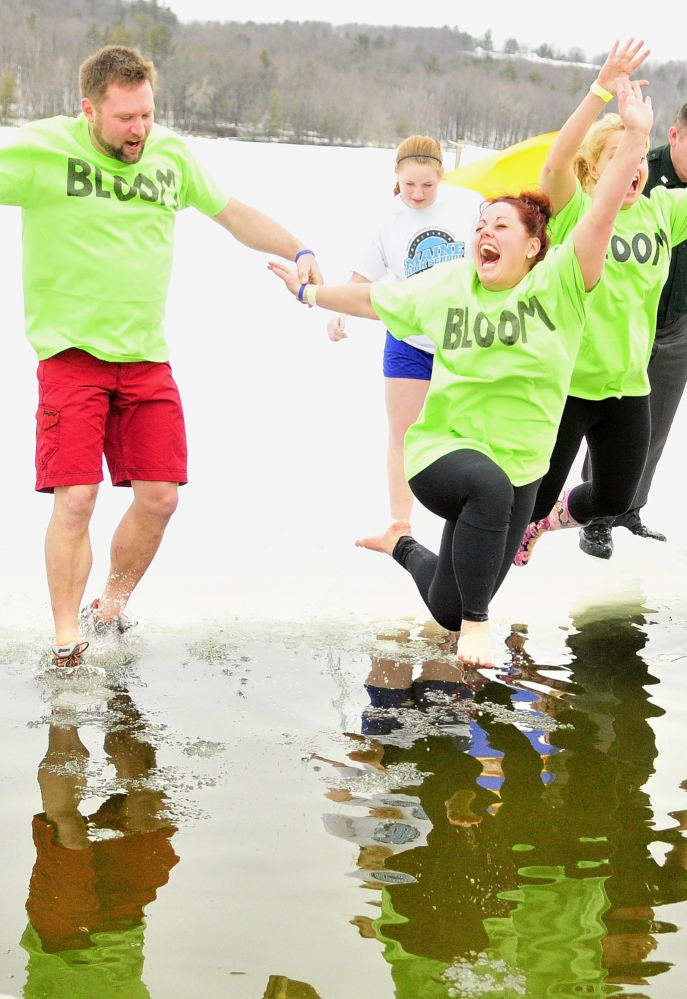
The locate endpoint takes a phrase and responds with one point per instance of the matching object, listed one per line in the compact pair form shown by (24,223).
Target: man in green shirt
(99,195)
(667,369)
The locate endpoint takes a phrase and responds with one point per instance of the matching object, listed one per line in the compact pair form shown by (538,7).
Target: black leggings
(617,433)
(486,517)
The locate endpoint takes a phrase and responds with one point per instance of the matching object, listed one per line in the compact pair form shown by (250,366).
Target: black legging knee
(617,433)
(486,517)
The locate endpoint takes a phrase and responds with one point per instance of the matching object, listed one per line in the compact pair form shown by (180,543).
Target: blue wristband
(301,292)
(300,254)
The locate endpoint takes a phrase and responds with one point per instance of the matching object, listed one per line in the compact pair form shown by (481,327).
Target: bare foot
(474,644)
(386,542)
(458,810)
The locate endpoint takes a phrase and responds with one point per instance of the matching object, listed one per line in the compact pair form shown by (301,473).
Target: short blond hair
(113,64)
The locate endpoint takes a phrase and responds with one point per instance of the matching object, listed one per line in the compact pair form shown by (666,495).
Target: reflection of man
(94,875)
(668,363)
(99,195)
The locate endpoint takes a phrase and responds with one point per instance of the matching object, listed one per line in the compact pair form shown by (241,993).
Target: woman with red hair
(507,326)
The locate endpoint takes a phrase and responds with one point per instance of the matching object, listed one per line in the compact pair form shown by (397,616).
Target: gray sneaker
(596,539)
(91,624)
(69,655)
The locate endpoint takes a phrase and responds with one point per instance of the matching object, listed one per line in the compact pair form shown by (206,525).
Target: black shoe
(597,540)
(641,531)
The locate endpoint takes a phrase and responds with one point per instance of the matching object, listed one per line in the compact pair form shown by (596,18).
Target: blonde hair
(420,149)
(592,147)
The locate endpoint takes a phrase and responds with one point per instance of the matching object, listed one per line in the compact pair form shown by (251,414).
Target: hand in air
(622,62)
(336,328)
(635,109)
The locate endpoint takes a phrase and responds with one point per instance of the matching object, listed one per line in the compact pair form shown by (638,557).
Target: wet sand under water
(282,747)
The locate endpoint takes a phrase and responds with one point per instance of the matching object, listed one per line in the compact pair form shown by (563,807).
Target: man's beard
(116,152)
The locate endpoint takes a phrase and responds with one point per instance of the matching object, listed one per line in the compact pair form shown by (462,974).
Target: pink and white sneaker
(559,518)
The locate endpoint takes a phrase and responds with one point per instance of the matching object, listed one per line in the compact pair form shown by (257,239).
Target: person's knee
(74,504)
(489,495)
(157,499)
(397,439)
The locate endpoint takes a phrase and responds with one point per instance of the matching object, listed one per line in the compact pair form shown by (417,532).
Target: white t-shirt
(400,823)
(408,241)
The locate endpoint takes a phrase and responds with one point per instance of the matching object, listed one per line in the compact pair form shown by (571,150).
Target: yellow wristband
(311,294)
(599,91)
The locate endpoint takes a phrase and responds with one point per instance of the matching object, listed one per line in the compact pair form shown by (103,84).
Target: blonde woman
(608,400)
(507,326)
(428,223)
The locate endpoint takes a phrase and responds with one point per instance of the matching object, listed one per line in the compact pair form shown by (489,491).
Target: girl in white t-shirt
(428,223)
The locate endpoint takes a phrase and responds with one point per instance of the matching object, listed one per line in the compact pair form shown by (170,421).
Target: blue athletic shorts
(402,360)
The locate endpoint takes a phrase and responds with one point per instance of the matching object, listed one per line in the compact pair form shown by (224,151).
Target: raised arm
(557,176)
(353,299)
(593,232)
(260,232)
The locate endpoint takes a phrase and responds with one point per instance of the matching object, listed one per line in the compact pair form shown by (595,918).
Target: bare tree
(304,82)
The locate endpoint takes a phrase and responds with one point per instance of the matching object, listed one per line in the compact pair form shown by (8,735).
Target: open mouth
(633,186)
(489,255)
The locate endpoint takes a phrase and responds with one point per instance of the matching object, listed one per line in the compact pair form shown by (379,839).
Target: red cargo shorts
(130,412)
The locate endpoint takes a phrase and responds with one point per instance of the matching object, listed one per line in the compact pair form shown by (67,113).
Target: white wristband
(311,294)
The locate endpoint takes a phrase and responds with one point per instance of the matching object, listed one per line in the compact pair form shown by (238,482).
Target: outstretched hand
(635,109)
(622,62)
(288,275)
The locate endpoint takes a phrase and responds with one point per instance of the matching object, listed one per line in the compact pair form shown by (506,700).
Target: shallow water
(287,773)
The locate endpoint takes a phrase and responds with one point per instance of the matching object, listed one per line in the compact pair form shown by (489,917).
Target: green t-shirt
(554,934)
(503,363)
(109,969)
(621,315)
(98,236)
(414,976)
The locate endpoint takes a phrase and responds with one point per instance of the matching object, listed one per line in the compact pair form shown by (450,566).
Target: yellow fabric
(511,171)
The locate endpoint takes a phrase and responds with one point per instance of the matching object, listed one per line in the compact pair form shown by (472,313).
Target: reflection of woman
(507,329)
(558,881)
(429,223)
(608,403)
(94,875)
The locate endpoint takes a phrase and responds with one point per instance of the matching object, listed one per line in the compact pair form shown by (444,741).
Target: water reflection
(517,861)
(94,874)
(279,987)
